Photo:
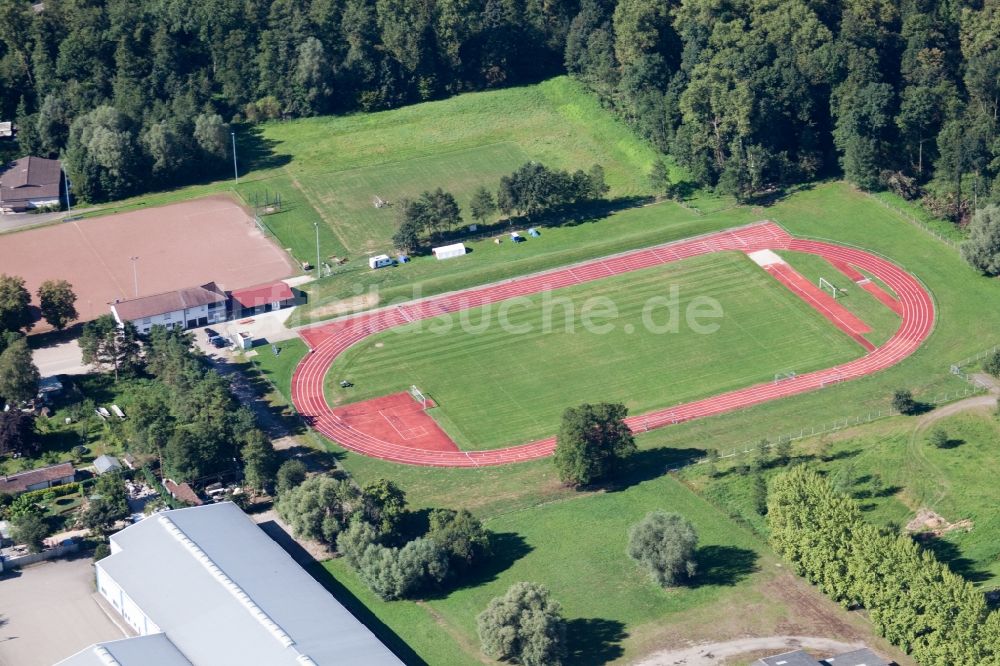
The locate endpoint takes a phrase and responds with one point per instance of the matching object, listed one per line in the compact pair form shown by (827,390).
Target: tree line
(138,95)
(398,553)
(746,94)
(532,189)
(749,94)
(912,599)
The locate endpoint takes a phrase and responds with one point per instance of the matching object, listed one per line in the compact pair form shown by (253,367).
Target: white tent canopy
(449,251)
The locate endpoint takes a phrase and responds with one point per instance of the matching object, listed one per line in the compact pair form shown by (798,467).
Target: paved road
(63,358)
(49,612)
(20,221)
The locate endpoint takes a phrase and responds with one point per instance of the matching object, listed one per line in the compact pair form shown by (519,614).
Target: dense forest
(747,95)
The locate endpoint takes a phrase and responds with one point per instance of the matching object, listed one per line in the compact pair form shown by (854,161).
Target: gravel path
(712,654)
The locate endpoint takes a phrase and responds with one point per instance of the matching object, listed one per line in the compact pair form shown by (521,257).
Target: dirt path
(916,444)
(712,654)
(975,402)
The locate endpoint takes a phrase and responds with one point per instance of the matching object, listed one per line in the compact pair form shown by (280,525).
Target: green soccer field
(499,385)
(347,196)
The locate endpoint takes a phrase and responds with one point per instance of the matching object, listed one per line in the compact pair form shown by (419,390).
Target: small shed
(533,232)
(379,261)
(242,340)
(449,251)
(104,464)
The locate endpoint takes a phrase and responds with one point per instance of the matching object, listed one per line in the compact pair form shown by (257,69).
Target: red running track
(821,301)
(868,286)
(330,340)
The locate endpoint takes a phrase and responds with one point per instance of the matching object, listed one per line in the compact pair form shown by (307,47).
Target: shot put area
(146,252)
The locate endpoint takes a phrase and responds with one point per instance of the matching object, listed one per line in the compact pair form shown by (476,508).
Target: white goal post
(418,396)
(826,285)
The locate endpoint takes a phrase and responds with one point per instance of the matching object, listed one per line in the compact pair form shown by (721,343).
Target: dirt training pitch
(180,245)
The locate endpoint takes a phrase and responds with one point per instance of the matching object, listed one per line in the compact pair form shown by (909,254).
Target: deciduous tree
(15,314)
(17,433)
(664,544)
(18,374)
(592,443)
(525,625)
(982,249)
(30,529)
(57,303)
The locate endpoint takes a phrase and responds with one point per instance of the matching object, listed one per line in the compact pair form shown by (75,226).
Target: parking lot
(49,611)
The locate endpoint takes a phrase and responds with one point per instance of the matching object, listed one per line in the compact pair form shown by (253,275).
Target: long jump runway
(328,341)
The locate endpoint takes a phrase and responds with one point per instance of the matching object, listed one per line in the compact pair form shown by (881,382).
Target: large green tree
(320,507)
(260,462)
(17,433)
(982,249)
(15,313)
(107,345)
(18,374)
(665,545)
(57,303)
(525,626)
(592,443)
(30,529)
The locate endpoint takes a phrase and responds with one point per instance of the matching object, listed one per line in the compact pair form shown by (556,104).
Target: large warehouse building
(205,586)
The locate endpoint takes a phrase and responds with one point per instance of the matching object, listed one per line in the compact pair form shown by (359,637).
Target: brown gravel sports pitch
(180,245)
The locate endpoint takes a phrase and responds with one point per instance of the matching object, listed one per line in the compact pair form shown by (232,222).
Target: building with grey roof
(794,658)
(152,650)
(30,182)
(183,308)
(862,657)
(104,464)
(224,594)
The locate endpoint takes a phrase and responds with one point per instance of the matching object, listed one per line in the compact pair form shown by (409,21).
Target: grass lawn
(500,380)
(358,287)
(894,471)
(605,596)
(345,198)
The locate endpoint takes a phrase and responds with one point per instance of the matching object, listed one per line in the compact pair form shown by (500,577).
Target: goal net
(379,202)
(418,396)
(828,286)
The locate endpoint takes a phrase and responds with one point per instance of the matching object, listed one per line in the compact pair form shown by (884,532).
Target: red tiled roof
(183,492)
(18,483)
(262,294)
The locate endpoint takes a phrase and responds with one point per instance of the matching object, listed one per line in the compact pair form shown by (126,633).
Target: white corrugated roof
(152,650)
(224,593)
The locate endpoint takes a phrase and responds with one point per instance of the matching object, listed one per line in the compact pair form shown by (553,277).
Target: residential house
(30,182)
(37,479)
